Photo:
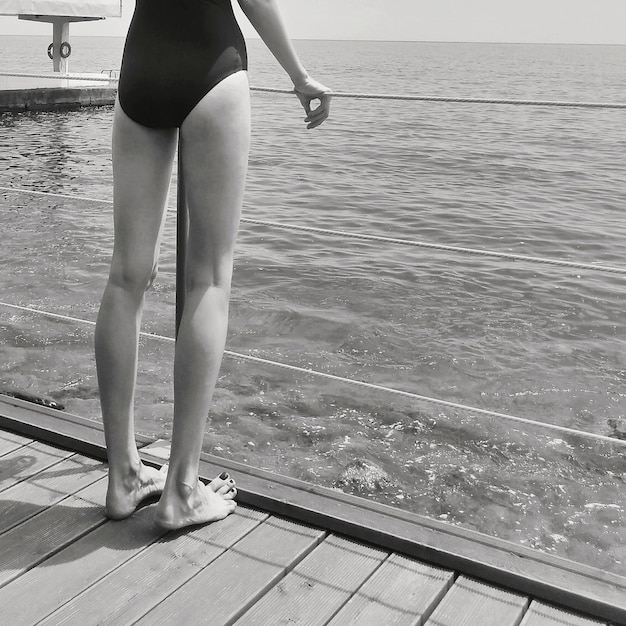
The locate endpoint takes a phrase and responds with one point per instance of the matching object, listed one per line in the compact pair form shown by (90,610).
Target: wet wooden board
(402,591)
(473,554)
(470,602)
(52,484)
(55,427)
(236,580)
(319,586)
(139,584)
(39,537)
(74,568)
(544,615)
(63,558)
(27,461)
(10,442)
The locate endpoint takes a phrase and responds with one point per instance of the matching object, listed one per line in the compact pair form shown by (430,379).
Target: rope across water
(375,238)
(362,384)
(369,96)
(371,238)
(460,100)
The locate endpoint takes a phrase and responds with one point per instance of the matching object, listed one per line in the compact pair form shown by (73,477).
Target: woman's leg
(142,163)
(215,144)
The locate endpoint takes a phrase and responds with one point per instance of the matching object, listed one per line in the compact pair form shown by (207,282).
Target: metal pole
(182,233)
(60,34)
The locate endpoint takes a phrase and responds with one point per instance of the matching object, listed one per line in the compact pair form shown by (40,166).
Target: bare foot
(125,495)
(185,505)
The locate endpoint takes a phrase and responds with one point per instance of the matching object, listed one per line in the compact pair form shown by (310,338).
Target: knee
(209,272)
(215,275)
(136,279)
(204,284)
(217,289)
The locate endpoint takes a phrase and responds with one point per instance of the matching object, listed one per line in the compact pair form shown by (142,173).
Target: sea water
(542,342)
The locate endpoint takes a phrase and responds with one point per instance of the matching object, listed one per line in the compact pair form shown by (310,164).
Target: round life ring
(66,50)
(50,47)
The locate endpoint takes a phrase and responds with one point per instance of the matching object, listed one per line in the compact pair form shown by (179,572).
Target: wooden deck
(352,562)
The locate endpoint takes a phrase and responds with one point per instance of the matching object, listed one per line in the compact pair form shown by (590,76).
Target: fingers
(315,116)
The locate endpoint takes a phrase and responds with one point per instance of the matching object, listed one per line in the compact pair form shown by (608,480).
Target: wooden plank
(77,566)
(53,484)
(470,602)
(11,441)
(233,582)
(572,585)
(39,537)
(318,587)
(159,449)
(402,591)
(27,461)
(141,583)
(541,614)
(55,427)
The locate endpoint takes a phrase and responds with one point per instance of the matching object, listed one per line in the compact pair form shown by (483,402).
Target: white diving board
(61,13)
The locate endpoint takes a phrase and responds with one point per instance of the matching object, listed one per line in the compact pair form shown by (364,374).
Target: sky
(526,21)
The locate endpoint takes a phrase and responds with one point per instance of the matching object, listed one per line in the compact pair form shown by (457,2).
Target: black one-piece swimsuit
(176,51)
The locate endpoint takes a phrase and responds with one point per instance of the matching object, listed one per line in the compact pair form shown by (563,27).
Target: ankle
(129,469)
(185,489)
(183,479)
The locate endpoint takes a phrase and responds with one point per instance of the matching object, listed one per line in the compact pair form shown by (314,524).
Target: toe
(219,482)
(226,487)
(231,494)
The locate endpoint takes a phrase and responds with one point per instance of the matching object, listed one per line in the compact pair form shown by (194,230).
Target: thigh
(142,167)
(215,142)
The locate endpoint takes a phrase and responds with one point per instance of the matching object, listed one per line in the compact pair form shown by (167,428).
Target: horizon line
(430,41)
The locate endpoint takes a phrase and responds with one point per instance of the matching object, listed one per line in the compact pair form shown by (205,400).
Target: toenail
(231,481)
(224,475)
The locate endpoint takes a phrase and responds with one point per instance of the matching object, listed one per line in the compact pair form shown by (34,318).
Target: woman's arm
(267,20)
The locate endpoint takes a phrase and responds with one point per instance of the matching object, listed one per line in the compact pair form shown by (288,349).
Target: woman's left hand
(309,91)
